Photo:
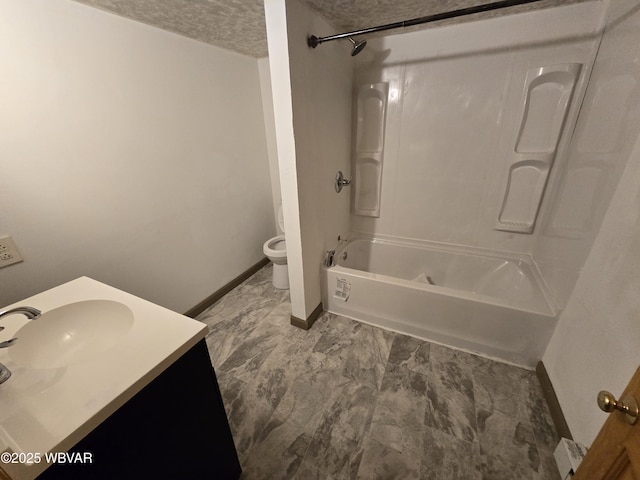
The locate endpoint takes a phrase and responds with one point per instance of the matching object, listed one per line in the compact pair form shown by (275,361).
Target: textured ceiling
(239,25)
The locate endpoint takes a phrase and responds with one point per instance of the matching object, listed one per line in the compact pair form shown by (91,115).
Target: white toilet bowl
(276,250)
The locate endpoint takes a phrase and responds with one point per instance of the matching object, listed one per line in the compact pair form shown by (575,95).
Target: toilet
(275,249)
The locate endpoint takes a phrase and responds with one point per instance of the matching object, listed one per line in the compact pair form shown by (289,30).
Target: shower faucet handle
(341,182)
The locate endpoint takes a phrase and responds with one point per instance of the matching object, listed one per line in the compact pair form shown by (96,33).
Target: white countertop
(50,410)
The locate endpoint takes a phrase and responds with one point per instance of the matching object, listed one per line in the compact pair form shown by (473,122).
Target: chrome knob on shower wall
(341,182)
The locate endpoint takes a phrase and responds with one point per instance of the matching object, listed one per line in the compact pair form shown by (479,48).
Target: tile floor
(348,400)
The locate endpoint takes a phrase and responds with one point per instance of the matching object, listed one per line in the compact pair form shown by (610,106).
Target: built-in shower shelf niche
(545,109)
(546,99)
(371,109)
(525,186)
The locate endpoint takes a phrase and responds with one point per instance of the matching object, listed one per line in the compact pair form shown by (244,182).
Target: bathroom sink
(71,333)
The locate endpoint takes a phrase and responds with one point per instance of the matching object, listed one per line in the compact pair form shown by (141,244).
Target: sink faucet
(29,312)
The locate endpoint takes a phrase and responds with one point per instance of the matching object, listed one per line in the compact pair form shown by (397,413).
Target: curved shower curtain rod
(314,41)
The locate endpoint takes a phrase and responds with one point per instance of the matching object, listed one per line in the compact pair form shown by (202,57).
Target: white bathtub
(483,302)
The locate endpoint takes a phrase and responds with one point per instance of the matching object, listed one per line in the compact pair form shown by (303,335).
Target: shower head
(357,46)
(314,41)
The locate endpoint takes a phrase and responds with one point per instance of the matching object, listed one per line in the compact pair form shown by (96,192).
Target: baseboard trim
(306,324)
(221,292)
(552,401)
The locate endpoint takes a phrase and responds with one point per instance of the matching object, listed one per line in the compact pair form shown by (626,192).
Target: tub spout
(330,255)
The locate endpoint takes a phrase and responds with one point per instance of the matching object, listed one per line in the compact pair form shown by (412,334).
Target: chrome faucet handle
(341,182)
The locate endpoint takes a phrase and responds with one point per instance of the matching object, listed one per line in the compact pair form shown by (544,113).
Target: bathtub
(484,302)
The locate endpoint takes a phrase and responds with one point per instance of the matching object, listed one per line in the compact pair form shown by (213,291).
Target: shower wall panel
(605,136)
(455,113)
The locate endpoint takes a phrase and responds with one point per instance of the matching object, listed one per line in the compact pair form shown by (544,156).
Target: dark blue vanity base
(176,427)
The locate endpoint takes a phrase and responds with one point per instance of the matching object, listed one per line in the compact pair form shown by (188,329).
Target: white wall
(595,346)
(312,104)
(270,131)
(128,154)
(456,94)
(276,21)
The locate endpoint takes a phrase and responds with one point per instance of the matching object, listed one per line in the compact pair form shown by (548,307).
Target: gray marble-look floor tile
(398,419)
(339,437)
(502,387)
(330,322)
(366,359)
(349,470)
(380,461)
(225,336)
(280,316)
(450,396)
(230,388)
(446,457)
(249,335)
(262,284)
(309,471)
(233,304)
(548,469)
(307,399)
(411,353)
(284,364)
(306,404)
(250,412)
(332,348)
(349,413)
(278,452)
(507,448)
(294,342)
(247,359)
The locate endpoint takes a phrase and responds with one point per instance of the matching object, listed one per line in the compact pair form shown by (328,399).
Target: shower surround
(464,161)
(476,125)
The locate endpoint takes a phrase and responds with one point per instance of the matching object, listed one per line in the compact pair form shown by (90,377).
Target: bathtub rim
(551,304)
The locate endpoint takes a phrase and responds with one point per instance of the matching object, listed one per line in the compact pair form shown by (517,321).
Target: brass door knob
(627,404)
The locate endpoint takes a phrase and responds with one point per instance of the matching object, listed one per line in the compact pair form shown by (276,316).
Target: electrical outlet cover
(8,252)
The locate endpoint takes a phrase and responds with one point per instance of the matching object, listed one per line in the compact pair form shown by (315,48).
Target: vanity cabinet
(174,428)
